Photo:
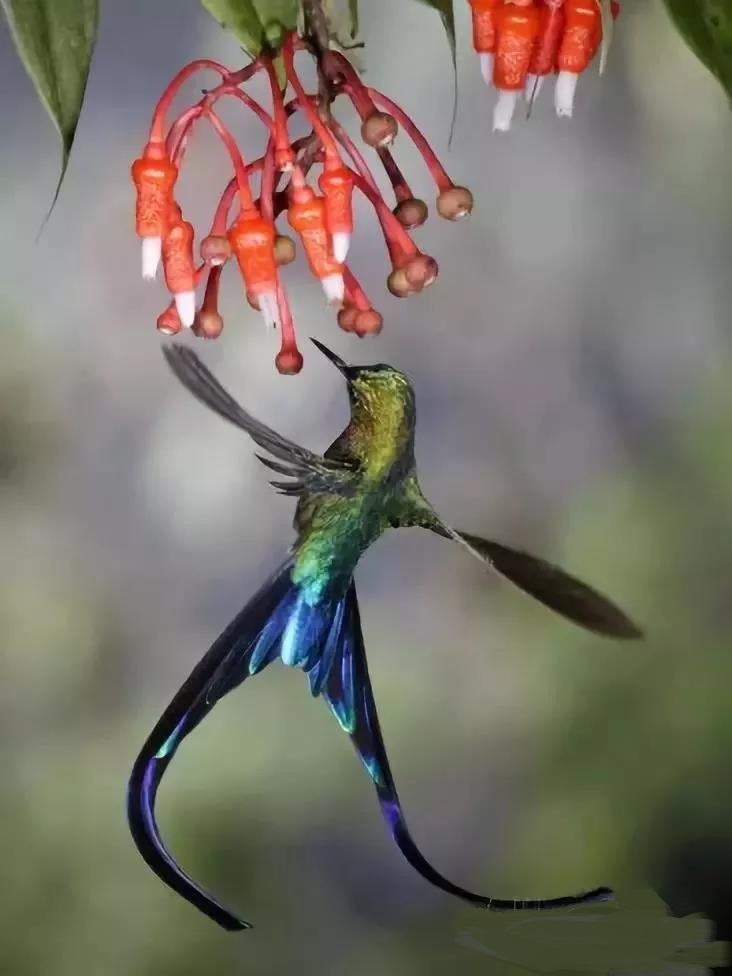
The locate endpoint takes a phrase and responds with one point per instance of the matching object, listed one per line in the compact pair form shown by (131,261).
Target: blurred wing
(309,470)
(553,587)
(347,690)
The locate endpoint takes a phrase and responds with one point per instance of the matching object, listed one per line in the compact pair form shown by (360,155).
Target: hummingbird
(307,613)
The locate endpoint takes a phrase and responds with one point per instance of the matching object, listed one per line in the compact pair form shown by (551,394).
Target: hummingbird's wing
(550,585)
(309,470)
(347,689)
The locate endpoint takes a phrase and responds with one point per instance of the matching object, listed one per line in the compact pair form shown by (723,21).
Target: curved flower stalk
(521,42)
(279,184)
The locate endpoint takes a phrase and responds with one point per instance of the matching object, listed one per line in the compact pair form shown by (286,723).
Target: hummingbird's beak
(339,364)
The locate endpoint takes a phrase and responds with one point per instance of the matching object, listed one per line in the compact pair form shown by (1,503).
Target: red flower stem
(250,103)
(354,291)
(221,216)
(336,64)
(282,142)
(179,133)
(286,324)
(157,127)
(211,295)
(437,171)
(242,181)
(398,242)
(353,151)
(322,131)
(402,189)
(267,185)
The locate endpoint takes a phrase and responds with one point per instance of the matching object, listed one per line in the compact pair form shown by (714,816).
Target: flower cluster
(520,42)
(320,213)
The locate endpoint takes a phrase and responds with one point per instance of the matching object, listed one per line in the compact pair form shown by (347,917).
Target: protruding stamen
(341,243)
(152,248)
(504,109)
(534,84)
(334,288)
(185,305)
(486,67)
(269,309)
(564,92)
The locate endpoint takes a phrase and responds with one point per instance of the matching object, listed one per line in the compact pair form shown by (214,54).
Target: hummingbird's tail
(326,641)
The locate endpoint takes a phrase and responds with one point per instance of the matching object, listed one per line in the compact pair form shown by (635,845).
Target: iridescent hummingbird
(307,613)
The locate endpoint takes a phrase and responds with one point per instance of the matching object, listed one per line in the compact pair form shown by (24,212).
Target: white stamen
(564,93)
(151,250)
(185,306)
(534,84)
(269,309)
(334,288)
(504,109)
(486,67)
(341,243)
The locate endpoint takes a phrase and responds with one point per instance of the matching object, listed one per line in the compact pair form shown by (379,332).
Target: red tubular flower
(307,215)
(544,58)
(154,177)
(337,186)
(517,28)
(582,37)
(179,267)
(252,242)
(323,218)
(484,34)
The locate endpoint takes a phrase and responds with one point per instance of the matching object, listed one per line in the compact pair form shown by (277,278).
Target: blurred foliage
(55,41)
(706,26)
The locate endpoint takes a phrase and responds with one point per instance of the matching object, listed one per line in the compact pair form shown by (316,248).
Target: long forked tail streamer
(241,649)
(348,692)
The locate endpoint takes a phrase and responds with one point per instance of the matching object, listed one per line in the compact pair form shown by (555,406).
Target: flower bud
(347,315)
(379,129)
(398,284)
(411,213)
(284,249)
(208,324)
(169,321)
(455,203)
(420,271)
(288,361)
(215,250)
(368,322)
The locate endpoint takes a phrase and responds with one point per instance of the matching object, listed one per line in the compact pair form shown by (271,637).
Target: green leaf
(444,9)
(607,32)
(256,24)
(706,26)
(55,41)
(353,11)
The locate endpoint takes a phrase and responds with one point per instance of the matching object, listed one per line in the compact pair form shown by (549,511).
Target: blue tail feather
(348,692)
(326,641)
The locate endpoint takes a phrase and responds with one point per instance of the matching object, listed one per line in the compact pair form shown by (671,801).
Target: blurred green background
(573,371)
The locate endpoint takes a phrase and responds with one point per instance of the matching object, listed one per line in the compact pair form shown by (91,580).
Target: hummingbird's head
(372,385)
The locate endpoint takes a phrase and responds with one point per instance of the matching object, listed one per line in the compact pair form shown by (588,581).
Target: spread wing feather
(312,471)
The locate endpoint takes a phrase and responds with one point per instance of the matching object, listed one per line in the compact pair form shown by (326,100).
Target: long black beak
(339,364)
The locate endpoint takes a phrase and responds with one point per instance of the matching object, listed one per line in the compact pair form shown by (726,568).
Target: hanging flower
(521,42)
(320,212)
